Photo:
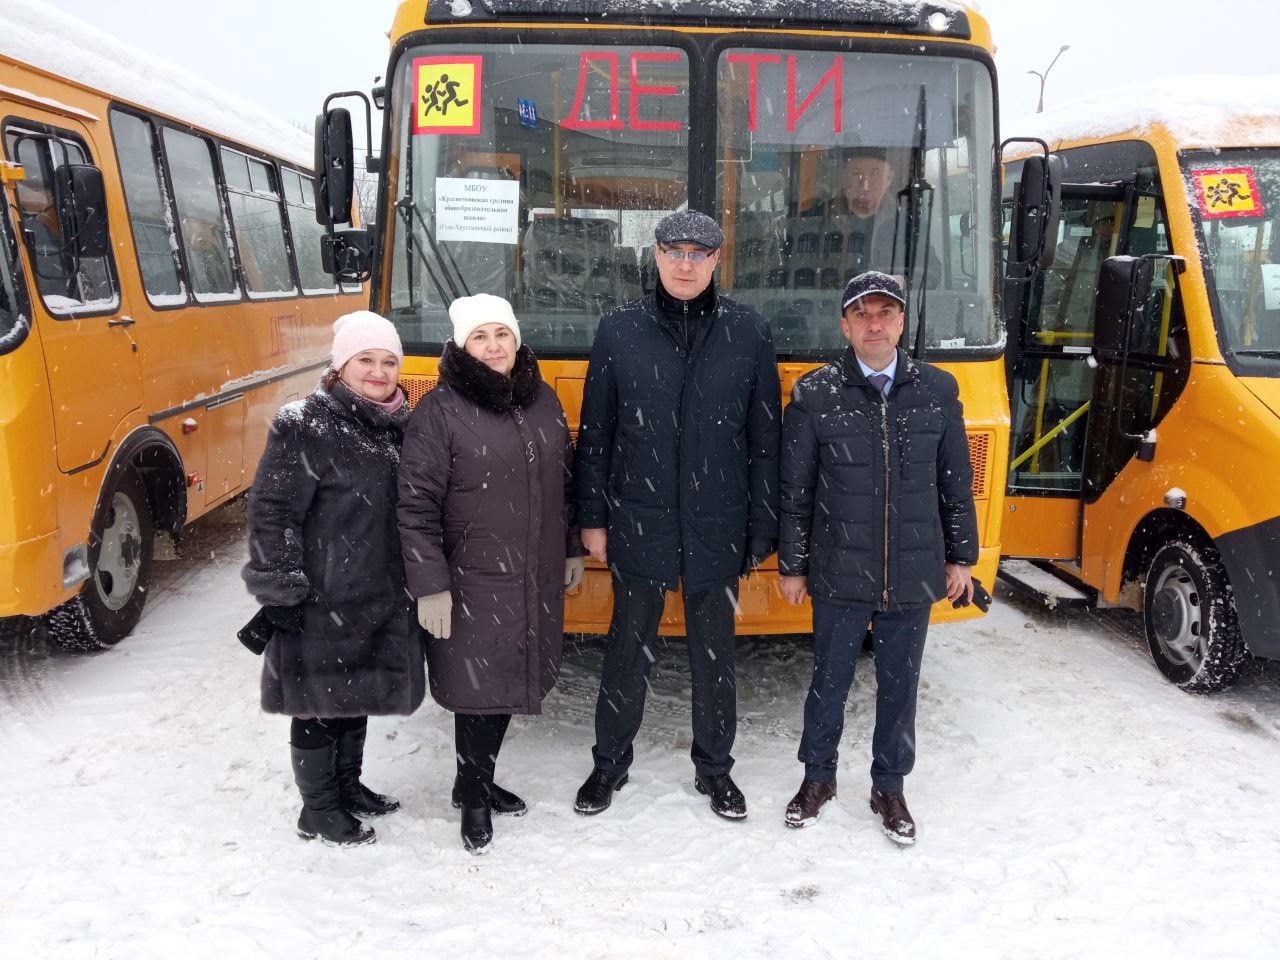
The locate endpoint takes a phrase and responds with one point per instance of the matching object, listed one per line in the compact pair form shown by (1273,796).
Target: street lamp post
(1042,76)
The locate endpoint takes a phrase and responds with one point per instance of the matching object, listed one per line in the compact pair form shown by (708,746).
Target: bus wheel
(121,547)
(1190,618)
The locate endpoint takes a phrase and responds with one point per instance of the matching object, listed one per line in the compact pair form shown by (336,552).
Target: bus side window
(205,237)
(66,283)
(299,196)
(258,224)
(150,211)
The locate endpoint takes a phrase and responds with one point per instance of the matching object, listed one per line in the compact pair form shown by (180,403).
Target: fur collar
(486,387)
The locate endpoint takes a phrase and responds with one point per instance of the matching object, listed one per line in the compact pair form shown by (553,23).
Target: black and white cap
(689,226)
(873,282)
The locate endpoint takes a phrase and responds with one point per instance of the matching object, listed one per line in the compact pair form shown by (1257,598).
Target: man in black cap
(677,479)
(878,523)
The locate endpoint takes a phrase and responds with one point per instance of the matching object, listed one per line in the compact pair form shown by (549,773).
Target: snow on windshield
(1199,111)
(35,33)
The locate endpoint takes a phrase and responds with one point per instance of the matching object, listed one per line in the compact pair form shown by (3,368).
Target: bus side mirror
(1123,285)
(347,255)
(1037,205)
(335,167)
(81,202)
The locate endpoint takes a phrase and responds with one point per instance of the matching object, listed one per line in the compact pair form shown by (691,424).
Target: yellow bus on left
(161,295)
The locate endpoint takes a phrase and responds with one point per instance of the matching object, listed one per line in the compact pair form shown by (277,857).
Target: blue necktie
(880,381)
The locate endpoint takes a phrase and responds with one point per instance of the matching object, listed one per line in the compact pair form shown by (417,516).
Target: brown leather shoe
(806,806)
(895,818)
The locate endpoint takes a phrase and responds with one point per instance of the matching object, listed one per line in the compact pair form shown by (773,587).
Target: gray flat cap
(689,226)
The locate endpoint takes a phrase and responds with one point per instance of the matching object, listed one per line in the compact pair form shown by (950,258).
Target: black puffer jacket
(678,448)
(485,478)
(322,535)
(876,494)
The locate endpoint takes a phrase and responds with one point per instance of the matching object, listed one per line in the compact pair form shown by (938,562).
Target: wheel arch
(1152,532)
(153,455)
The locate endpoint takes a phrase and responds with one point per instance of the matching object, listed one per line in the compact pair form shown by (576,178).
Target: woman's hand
(573,568)
(596,540)
(795,589)
(435,613)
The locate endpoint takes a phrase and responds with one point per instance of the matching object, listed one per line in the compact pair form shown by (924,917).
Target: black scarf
(485,386)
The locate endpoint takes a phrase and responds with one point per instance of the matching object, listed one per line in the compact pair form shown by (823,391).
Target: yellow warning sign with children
(1228,192)
(448,92)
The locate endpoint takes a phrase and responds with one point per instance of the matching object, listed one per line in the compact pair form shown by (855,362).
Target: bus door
(91,356)
(1053,381)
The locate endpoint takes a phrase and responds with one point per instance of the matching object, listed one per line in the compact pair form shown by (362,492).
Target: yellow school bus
(161,294)
(530,146)
(1145,370)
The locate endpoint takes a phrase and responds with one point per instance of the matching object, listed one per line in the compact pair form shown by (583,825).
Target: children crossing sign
(1228,192)
(448,93)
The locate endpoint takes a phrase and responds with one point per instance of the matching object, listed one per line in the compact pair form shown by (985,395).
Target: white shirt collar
(890,371)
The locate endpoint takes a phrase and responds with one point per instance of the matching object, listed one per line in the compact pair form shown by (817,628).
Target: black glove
(759,549)
(981,598)
(285,619)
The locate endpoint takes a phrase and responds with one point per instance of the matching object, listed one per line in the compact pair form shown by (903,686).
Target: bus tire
(1189,617)
(121,550)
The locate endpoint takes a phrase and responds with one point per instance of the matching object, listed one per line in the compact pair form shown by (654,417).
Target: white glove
(573,567)
(435,613)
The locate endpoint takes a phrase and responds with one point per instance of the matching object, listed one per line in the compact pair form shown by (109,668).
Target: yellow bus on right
(1144,366)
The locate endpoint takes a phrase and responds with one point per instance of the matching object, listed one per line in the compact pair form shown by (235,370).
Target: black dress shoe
(895,818)
(726,799)
(502,802)
(596,794)
(806,806)
(477,829)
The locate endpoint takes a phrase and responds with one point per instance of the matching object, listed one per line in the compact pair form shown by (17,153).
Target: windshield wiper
(1252,352)
(913,193)
(409,213)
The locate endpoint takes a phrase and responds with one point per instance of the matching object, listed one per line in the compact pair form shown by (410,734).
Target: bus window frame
(703,56)
(11,259)
(280,210)
(61,133)
(308,192)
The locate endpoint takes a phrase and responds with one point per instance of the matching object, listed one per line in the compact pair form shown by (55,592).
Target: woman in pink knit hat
(324,562)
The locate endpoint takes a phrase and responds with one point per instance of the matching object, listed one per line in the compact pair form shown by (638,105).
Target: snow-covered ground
(1071,804)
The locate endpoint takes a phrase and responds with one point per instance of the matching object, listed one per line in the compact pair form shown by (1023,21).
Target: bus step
(1043,583)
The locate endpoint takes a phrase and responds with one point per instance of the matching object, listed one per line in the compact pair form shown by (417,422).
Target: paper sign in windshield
(1228,192)
(477,211)
(449,91)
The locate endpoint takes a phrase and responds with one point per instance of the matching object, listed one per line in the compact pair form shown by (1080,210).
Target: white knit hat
(363,330)
(467,313)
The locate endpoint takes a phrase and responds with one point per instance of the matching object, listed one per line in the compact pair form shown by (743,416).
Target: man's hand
(795,589)
(573,568)
(960,583)
(596,541)
(435,614)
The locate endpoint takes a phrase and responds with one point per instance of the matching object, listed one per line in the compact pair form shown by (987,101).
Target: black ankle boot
(477,829)
(322,814)
(502,802)
(356,797)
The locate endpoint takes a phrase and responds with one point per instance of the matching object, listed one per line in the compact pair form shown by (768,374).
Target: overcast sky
(286,55)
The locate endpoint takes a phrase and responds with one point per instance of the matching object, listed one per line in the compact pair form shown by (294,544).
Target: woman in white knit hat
(324,561)
(489,545)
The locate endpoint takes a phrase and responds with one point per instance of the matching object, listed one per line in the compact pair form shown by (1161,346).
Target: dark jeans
(837,641)
(311,733)
(478,738)
(708,618)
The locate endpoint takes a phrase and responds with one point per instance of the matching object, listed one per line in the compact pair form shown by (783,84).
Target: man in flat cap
(878,523)
(677,480)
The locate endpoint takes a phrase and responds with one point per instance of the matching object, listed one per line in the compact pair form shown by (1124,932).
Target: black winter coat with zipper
(678,447)
(876,491)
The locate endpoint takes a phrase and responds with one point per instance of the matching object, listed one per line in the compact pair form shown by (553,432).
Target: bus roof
(34,33)
(1195,111)
(941,18)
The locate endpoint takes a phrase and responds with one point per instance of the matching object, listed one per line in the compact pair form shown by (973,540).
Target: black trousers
(624,679)
(478,738)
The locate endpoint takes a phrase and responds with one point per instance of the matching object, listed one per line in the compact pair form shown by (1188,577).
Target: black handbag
(257,632)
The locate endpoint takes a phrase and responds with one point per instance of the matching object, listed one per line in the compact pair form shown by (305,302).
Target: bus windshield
(10,317)
(1237,193)
(537,171)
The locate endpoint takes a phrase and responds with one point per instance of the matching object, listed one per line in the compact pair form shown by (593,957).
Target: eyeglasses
(693,256)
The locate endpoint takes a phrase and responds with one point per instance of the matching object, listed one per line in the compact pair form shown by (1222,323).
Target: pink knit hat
(363,330)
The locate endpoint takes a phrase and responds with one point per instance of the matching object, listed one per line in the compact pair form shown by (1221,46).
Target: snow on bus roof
(36,34)
(1198,111)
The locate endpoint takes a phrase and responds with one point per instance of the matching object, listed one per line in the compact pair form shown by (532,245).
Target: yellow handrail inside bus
(1036,447)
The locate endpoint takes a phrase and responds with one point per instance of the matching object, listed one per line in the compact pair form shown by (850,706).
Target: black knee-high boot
(315,772)
(356,797)
(478,740)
